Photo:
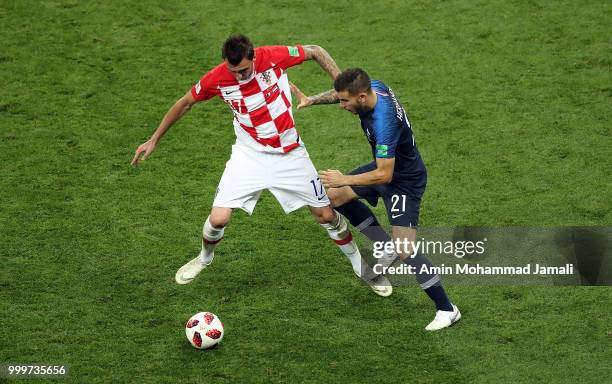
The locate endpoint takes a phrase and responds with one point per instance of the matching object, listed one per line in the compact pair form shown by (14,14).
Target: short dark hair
(353,80)
(236,48)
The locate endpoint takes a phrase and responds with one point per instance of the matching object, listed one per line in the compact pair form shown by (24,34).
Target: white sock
(339,232)
(211,236)
(352,253)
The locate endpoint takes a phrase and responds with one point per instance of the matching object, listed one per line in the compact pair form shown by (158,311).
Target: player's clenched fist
(145,149)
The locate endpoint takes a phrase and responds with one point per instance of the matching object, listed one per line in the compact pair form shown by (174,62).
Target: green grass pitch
(510,103)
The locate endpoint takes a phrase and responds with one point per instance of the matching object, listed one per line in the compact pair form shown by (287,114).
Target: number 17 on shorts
(318,189)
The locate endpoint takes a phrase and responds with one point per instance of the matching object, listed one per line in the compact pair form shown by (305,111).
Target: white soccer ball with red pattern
(204,330)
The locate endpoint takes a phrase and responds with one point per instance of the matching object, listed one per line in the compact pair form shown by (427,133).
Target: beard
(361,109)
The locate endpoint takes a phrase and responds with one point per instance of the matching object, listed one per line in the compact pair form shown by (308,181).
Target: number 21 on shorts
(395,200)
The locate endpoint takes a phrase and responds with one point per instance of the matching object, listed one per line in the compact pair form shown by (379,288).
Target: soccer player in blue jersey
(397,175)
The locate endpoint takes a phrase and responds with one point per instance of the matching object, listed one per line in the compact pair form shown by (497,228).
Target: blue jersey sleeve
(386,129)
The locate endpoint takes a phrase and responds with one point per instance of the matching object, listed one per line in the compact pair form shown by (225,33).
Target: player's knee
(325,216)
(220,218)
(404,255)
(405,251)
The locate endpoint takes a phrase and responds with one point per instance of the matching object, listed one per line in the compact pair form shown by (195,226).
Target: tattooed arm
(327,97)
(327,63)
(320,55)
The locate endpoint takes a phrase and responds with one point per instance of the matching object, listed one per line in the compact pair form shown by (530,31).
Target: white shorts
(291,177)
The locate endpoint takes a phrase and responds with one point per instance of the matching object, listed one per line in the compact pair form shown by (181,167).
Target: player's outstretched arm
(327,97)
(381,175)
(320,55)
(175,112)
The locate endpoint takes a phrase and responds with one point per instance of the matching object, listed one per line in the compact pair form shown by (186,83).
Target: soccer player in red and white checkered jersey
(268,153)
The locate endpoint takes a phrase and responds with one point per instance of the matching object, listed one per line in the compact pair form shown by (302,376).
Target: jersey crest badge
(265,76)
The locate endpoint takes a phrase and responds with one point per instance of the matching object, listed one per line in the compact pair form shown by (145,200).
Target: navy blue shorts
(402,197)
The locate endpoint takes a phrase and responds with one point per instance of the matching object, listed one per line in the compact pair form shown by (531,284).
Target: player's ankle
(206,258)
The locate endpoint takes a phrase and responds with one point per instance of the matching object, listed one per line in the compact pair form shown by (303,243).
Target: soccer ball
(204,330)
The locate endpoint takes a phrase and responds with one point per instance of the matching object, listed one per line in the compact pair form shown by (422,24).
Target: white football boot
(380,285)
(444,319)
(189,271)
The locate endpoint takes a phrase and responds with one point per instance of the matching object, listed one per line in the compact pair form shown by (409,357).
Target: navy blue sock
(362,218)
(429,282)
(438,295)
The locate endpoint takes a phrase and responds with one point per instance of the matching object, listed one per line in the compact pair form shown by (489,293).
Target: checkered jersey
(263,119)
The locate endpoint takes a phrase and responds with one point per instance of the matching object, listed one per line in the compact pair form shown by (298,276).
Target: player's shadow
(588,249)
(474,235)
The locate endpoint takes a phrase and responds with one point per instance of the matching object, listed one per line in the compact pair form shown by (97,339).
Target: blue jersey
(388,131)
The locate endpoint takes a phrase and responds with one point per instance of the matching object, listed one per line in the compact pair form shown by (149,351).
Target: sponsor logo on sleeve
(382,150)
(293,51)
